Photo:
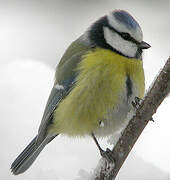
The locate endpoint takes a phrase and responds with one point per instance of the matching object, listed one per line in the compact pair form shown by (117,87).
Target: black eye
(126,36)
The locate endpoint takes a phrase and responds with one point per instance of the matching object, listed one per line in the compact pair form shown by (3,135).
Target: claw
(108,155)
(136,102)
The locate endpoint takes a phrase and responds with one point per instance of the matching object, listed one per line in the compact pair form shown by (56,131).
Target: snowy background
(33,36)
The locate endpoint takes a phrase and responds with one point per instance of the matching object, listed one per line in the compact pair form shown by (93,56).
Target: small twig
(144,113)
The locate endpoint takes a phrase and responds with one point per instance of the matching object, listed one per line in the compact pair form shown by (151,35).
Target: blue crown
(126,19)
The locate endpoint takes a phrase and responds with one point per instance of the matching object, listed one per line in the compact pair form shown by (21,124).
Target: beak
(144,45)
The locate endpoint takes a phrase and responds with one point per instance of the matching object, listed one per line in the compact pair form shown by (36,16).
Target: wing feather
(65,77)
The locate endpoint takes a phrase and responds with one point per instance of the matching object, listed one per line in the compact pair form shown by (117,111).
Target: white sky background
(33,37)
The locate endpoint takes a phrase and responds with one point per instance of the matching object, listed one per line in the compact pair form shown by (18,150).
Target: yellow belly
(99,87)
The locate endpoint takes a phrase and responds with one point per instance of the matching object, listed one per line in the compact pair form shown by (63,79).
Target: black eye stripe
(124,35)
(128,37)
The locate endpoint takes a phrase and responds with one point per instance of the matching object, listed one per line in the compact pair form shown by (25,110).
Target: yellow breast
(101,80)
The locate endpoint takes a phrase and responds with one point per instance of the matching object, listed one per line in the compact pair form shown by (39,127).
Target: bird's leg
(108,155)
(95,140)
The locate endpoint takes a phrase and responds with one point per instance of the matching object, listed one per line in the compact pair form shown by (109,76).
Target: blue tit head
(119,32)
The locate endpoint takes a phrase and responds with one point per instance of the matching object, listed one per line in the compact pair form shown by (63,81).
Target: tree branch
(144,113)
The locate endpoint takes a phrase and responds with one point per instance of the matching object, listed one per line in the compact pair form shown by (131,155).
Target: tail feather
(28,156)
(23,155)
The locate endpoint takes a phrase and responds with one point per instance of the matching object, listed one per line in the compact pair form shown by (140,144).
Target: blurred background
(33,36)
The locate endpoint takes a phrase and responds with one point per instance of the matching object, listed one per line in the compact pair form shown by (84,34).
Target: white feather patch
(102,124)
(117,42)
(59,87)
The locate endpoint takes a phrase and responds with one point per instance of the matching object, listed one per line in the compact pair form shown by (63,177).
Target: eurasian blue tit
(96,81)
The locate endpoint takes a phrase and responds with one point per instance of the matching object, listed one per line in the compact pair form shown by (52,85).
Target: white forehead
(123,24)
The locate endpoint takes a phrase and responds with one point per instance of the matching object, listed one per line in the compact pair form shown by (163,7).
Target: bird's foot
(136,102)
(108,155)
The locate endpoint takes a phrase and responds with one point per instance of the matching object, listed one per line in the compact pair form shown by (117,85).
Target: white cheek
(117,42)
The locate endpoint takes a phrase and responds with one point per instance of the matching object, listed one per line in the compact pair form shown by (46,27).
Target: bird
(96,81)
